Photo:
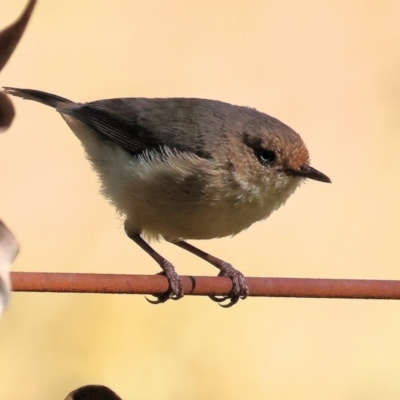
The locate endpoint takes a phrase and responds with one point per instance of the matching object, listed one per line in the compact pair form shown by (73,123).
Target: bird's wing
(110,124)
(143,124)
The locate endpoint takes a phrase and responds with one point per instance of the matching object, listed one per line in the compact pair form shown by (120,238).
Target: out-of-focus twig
(204,285)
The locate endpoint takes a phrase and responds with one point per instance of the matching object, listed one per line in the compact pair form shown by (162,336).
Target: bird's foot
(175,291)
(239,287)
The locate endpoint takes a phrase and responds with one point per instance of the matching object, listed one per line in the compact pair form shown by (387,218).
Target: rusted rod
(204,285)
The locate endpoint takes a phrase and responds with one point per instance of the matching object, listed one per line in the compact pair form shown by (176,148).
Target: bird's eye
(266,157)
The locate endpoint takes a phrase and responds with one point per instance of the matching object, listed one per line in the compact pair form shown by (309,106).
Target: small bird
(186,168)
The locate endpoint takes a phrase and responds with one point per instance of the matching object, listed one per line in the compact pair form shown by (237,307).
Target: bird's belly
(178,221)
(166,205)
(159,204)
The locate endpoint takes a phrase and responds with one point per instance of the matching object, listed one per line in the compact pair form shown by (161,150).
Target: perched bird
(185,168)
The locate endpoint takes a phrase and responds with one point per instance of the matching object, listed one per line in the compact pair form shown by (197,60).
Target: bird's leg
(175,291)
(239,287)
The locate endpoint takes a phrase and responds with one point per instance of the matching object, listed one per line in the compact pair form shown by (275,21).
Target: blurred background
(328,69)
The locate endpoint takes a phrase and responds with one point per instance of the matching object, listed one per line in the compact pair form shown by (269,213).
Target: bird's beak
(305,171)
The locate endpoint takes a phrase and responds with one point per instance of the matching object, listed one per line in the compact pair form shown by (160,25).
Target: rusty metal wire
(204,285)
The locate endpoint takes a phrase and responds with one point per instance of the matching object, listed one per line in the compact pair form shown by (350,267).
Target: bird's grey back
(186,124)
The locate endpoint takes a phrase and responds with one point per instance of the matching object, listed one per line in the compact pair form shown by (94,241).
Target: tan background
(329,69)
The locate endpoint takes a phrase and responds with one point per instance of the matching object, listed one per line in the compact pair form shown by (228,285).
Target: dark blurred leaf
(10,36)
(8,251)
(7,112)
(93,392)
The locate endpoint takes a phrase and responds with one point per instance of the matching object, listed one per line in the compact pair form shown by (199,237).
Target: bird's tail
(42,97)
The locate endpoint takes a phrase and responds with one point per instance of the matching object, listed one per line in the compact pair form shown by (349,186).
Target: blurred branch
(204,285)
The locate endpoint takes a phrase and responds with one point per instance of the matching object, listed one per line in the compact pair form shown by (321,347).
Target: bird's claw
(239,287)
(175,291)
